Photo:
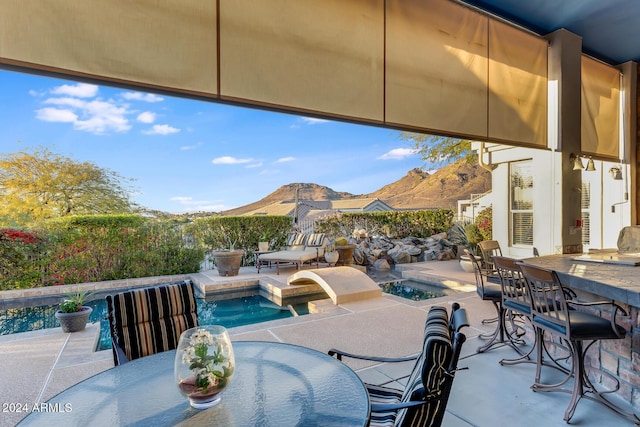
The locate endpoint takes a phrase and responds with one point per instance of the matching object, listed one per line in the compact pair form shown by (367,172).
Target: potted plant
(330,254)
(228,261)
(263,244)
(466,236)
(72,314)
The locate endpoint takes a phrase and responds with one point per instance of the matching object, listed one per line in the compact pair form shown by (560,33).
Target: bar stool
(515,301)
(551,312)
(489,249)
(489,289)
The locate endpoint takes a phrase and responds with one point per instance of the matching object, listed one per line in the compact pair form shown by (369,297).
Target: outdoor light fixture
(590,165)
(576,161)
(616,173)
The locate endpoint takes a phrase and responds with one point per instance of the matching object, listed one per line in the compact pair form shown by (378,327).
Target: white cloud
(139,96)
(191,147)
(254,165)
(199,205)
(229,160)
(80,90)
(285,159)
(95,116)
(56,115)
(103,117)
(68,102)
(146,117)
(313,121)
(161,130)
(398,154)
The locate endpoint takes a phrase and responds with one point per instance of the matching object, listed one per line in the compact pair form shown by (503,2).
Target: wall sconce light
(576,162)
(590,165)
(616,173)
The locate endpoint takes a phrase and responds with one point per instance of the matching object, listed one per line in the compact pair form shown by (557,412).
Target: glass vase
(204,364)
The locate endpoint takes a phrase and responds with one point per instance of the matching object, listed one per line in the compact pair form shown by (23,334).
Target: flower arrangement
(209,364)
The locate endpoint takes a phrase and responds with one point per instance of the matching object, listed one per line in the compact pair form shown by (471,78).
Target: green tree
(37,185)
(439,150)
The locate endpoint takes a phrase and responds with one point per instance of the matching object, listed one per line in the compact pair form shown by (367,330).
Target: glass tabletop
(274,384)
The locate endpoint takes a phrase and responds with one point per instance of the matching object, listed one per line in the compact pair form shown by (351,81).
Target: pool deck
(34,366)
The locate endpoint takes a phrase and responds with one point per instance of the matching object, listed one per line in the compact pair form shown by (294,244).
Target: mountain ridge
(417,189)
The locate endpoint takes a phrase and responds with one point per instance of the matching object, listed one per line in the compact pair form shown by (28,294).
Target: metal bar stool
(551,312)
(489,289)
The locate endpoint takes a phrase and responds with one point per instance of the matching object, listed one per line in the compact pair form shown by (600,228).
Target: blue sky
(187,155)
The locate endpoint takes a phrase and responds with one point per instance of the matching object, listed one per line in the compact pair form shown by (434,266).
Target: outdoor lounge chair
(300,248)
(150,320)
(424,399)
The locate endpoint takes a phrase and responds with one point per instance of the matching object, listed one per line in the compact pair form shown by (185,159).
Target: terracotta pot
(228,262)
(345,254)
(74,322)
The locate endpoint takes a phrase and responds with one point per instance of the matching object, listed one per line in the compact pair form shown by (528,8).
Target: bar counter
(613,281)
(594,281)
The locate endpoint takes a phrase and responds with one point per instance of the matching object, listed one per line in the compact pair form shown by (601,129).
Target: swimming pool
(230,312)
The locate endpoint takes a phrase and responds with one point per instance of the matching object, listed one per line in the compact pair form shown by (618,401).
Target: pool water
(226,312)
(415,290)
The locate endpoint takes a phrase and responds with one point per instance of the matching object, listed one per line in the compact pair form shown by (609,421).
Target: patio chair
(489,289)
(150,320)
(551,312)
(516,302)
(423,401)
(489,249)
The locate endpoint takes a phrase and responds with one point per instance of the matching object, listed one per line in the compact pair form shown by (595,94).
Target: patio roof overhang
(609,28)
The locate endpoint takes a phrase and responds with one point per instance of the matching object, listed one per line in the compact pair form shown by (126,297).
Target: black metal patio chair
(551,312)
(489,288)
(423,401)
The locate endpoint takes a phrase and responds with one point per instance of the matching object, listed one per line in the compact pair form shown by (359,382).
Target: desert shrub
(109,247)
(20,258)
(240,232)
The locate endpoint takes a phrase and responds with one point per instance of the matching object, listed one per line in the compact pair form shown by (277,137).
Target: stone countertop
(616,282)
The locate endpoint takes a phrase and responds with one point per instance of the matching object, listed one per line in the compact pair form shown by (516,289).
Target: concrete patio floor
(34,366)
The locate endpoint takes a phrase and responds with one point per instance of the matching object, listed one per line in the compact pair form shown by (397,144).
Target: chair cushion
(385,395)
(517,307)
(150,320)
(296,239)
(429,372)
(586,326)
(315,239)
(491,292)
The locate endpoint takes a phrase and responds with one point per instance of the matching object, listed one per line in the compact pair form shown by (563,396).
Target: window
(585,207)
(521,203)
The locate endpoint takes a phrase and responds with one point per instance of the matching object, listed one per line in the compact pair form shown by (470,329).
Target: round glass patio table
(274,384)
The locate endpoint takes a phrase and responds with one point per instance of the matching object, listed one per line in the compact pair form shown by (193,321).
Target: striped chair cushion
(297,239)
(425,381)
(150,320)
(315,239)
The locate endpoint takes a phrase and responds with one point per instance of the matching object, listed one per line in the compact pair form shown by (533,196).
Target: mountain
(288,192)
(417,189)
(442,189)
